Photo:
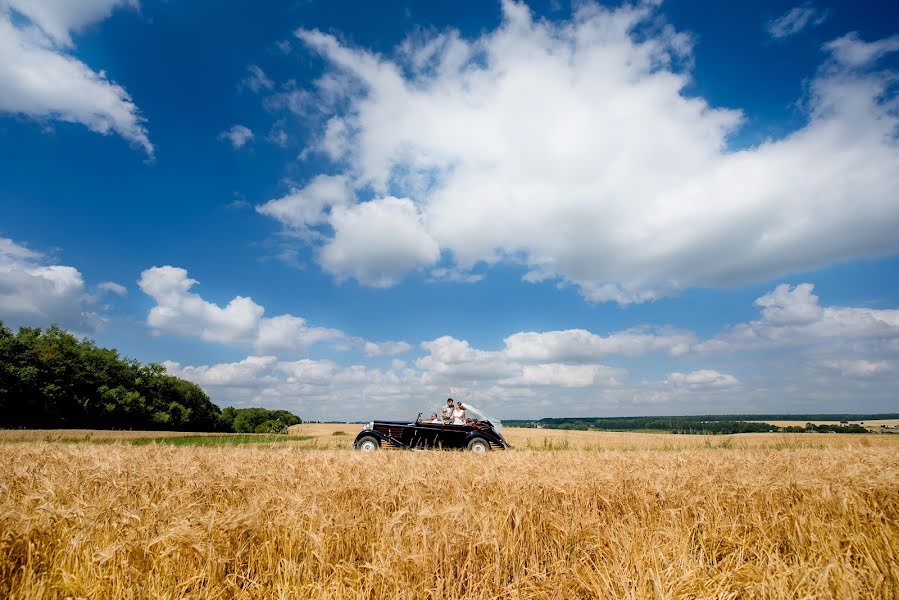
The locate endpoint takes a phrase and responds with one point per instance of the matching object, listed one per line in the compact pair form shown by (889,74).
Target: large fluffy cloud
(377,242)
(306,207)
(35,292)
(452,360)
(40,79)
(180,311)
(792,316)
(249,372)
(573,147)
(565,359)
(802,345)
(555,358)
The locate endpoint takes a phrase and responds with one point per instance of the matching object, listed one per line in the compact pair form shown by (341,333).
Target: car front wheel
(368,444)
(479,445)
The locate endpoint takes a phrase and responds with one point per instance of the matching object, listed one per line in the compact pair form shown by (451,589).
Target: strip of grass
(181,440)
(221,440)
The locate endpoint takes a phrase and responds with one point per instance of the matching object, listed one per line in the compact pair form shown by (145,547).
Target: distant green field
(131,439)
(220,440)
(713,424)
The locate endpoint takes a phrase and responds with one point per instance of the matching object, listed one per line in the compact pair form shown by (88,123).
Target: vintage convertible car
(481,433)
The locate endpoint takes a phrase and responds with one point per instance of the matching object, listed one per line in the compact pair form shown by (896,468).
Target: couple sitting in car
(451,416)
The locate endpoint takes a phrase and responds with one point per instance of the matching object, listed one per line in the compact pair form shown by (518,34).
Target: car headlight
(369,426)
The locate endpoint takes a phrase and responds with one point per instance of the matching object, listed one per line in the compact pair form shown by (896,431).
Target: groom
(448,412)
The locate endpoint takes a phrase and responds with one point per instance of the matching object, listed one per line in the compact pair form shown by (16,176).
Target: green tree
(49,378)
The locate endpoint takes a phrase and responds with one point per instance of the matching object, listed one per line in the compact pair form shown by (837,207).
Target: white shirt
(458,415)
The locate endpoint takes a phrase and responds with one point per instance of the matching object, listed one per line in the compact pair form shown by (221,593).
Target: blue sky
(354,209)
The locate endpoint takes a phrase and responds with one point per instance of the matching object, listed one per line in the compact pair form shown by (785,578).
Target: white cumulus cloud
(569,376)
(41,80)
(546,363)
(35,292)
(582,345)
(241,322)
(702,379)
(861,368)
(377,349)
(308,206)
(113,288)
(792,316)
(851,50)
(320,389)
(553,358)
(573,147)
(453,360)
(59,18)
(249,372)
(377,242)
(180,311)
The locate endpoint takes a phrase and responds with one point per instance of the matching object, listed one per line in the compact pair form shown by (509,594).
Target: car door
(408,435)
(453,436)
(420,436)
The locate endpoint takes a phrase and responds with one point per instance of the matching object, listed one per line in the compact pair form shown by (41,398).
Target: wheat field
(599,516)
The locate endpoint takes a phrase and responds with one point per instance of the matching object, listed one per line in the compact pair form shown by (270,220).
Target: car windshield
(473,411)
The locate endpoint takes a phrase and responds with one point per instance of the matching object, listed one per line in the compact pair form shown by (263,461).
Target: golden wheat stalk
(732,521)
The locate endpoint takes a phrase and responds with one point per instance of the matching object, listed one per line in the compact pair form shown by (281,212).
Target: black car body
(477,435)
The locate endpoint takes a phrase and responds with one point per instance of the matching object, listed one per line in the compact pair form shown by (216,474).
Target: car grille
(394,432)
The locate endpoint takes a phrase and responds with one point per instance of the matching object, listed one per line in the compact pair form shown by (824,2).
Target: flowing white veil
(482,416)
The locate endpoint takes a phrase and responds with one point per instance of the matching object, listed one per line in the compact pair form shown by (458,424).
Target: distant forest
(50,379)
(705,424)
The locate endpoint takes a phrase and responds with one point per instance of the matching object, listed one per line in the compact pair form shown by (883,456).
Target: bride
(459,415)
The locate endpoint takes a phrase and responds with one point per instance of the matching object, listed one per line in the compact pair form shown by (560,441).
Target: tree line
(51,379)
(707,424)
